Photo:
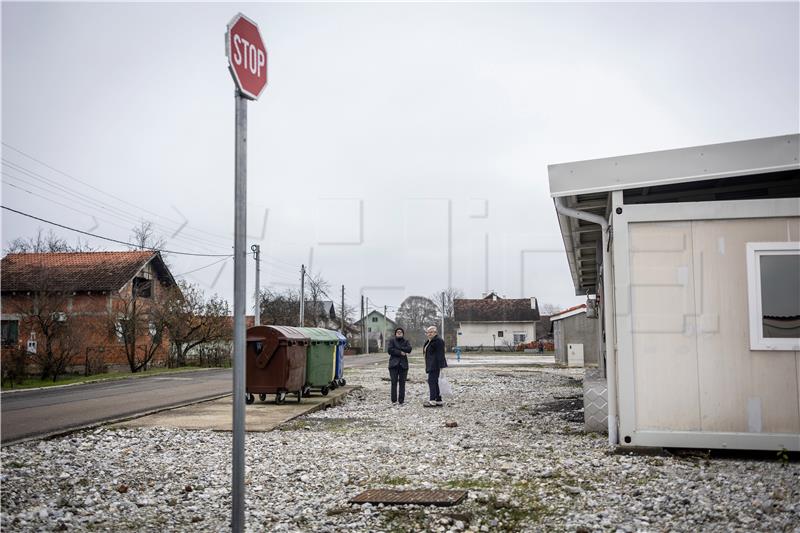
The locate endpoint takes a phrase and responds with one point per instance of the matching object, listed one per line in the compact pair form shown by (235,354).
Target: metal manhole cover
(443,498)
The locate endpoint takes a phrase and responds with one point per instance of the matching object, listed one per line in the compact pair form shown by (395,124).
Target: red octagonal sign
(247,56)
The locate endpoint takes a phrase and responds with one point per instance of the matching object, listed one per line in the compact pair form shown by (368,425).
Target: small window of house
(10,332)
(773,289)
(499,333)
(374,319)
(143,287)
(519,338)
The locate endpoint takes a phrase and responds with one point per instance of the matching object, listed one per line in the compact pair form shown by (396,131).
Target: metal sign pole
(239,307)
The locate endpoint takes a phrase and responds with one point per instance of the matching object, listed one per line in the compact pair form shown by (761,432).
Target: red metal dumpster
(275,362)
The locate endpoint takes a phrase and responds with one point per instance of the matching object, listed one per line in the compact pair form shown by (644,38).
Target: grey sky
(401,109)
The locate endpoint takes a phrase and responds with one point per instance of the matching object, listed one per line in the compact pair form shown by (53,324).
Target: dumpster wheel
(299,396)
(280,398)
(325,391)
(262,397)
(343,382)
(249,398)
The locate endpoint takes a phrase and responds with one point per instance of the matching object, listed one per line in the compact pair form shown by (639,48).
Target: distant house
(495,322)
(376,324)
(46,291)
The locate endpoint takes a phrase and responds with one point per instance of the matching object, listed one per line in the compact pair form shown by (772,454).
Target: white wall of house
(687,373)
(480,333)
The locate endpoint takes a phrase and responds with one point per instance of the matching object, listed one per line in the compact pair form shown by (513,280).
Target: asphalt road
(44,412)
(51,411)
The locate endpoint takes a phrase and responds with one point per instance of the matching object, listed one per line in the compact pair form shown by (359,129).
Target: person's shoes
(439,403)
(428,403)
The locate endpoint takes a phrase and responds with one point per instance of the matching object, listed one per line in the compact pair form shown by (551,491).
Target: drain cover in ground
(442,498)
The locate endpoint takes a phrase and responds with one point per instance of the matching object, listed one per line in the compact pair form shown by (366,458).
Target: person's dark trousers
(398,376)
(433,385)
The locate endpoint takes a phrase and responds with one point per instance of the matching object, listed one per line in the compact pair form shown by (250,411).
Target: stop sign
(247,56)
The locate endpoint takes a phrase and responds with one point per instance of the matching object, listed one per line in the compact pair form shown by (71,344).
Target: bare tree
(415,314)
(144,237)
(314,314)
(447,308)
(140,327)
(280,308)
(44,243)
(58,338)
(193,321)
(549,309)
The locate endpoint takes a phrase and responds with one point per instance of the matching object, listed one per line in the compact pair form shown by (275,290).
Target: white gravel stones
(527,468)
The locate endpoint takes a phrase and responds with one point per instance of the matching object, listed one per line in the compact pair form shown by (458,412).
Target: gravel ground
(518,449)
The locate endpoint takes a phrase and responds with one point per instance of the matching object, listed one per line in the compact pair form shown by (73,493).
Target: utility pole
(302,295)
(445,346)
(384,327)
(257,306)
(362,324)
(343,333)
(366,314)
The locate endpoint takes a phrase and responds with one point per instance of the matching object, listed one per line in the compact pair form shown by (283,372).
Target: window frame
(755,250)
(10,344)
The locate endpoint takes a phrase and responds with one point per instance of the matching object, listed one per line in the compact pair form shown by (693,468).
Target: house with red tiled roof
(493,322)
(95,307)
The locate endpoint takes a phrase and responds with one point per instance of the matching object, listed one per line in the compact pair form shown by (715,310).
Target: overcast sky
(421,120)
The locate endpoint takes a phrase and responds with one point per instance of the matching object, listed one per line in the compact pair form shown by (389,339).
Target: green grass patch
(394,480)
(34,383)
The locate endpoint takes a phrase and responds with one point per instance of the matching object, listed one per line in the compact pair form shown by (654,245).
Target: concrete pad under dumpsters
(215,415)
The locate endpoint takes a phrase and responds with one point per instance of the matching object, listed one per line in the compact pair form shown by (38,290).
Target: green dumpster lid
(320,335)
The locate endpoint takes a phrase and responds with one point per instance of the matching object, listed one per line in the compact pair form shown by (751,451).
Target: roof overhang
(587,186)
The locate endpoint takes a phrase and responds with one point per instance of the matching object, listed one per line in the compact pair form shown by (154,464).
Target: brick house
(104,300)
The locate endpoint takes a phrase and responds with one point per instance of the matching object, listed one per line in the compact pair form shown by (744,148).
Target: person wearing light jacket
(399,349)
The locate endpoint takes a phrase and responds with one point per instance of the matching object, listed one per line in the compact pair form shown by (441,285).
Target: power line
(202,267)
(139,208)
(94,203)
(107,238)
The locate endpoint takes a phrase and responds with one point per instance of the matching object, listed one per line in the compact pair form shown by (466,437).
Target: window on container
(773,271)
(10,330)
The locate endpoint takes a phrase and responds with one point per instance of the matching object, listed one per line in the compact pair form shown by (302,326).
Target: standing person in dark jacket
(434,363)
(399,349)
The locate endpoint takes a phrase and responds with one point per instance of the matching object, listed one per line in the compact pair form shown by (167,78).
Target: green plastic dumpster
(320,359)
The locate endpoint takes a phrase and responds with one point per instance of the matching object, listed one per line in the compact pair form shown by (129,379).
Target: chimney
(533,303)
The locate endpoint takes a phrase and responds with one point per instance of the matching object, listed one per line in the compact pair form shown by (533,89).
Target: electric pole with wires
(257,305)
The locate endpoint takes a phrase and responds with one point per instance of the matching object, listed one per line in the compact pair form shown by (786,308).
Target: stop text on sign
(247,56)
